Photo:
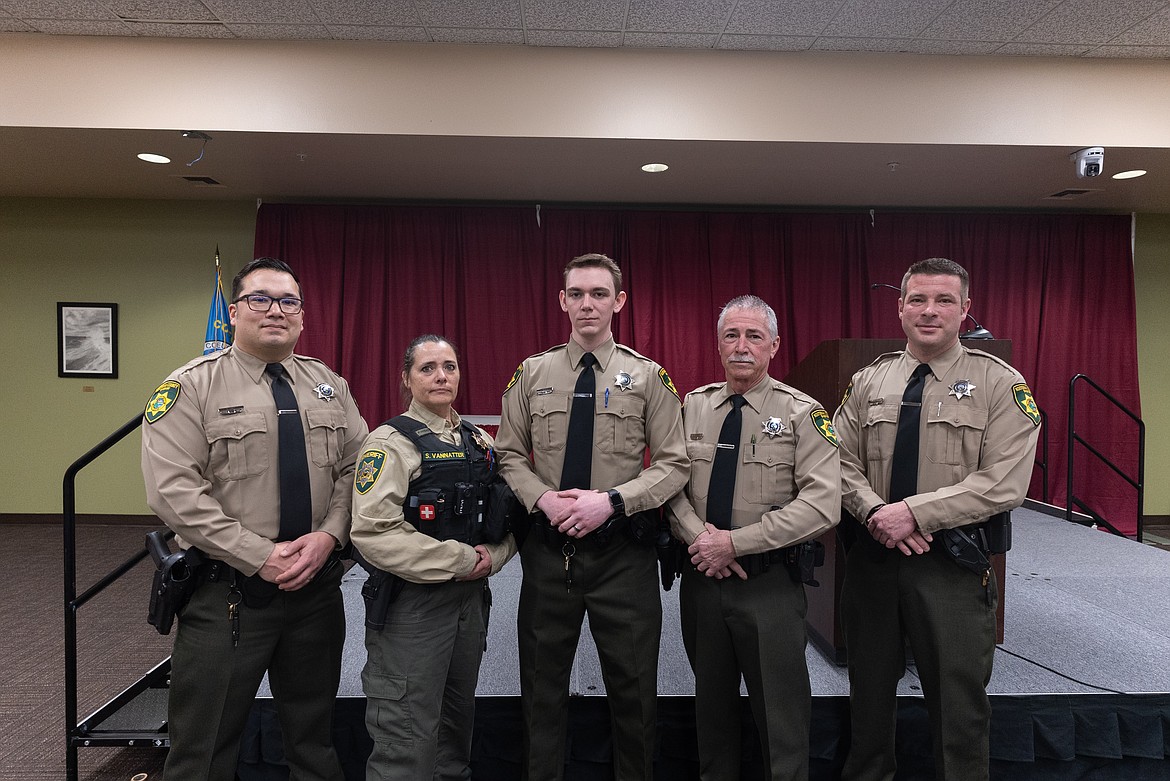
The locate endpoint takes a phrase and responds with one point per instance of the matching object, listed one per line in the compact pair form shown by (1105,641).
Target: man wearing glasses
(248,455)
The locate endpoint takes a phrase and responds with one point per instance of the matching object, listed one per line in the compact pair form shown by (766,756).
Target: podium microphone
(978,332)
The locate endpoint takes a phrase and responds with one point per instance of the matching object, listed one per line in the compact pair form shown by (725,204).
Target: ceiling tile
(79,27)
(670,40)
(839,44)
(395,13)
(782,17)
(263,11)
(679,15)
(1131,52)
(475,35)
(280,32)
(353,32)
(987,20)
(190,30)
(773,43)
(1042,50)
(1090,21)
(460,13)
(10,25)
(885,18)
(57,9)
(161,10)
(1153,31)
(574,38)
(573,15)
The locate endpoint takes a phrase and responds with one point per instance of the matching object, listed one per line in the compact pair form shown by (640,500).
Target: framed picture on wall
(87,340)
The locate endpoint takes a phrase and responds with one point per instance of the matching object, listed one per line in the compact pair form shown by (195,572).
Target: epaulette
(199,361)
(708,387)
(995,358)
(631,351)
(311,359)
(795,393)
(551,349)
(884,357)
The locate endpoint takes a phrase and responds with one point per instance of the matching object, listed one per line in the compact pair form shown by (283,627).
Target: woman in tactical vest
(420,522)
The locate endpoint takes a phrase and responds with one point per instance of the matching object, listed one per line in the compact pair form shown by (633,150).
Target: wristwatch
(616,502)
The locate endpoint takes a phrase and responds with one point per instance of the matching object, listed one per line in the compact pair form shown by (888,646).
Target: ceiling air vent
(1073,193)
(202,181)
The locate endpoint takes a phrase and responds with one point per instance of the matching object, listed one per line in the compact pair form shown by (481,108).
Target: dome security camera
(1089,161)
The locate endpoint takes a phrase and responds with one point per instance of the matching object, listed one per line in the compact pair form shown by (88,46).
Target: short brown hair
(939,267)
(595,260)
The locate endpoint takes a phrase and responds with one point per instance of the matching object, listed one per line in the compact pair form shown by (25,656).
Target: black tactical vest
(448,500)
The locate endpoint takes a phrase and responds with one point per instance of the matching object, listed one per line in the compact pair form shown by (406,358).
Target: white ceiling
(63,162)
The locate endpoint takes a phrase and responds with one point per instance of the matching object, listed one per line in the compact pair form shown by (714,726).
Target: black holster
(971,546)
(175,580)
(379,592)
(803,559)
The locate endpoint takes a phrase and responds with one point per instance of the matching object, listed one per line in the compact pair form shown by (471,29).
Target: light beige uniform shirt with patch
(381,532)
(210,461)
(976,449)
(796,469)
(646,414)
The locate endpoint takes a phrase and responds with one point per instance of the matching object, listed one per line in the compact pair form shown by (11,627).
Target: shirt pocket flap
(701,451)
(624,407)
(882,413)
(235,426)
(549,404)
(770,454)
(320,417)
(964,416)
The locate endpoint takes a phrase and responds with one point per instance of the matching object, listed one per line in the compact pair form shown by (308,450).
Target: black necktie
(721,491)
(578,468)
(904,471)
(296,504)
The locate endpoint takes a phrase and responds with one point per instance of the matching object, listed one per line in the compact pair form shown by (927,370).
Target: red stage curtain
(1059,286)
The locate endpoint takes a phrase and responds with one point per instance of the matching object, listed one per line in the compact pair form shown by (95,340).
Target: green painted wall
(155,259)
(1152,278)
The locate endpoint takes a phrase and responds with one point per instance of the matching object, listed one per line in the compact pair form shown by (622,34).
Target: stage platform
(1081,687)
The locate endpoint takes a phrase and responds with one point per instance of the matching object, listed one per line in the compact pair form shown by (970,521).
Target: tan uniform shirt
(209,460)
(630,416)
(976,446)
(381,532)
(788,479)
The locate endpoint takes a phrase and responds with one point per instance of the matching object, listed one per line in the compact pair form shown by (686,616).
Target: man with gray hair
(765,482)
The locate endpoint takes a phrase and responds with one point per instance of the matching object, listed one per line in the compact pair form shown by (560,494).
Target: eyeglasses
(262,303)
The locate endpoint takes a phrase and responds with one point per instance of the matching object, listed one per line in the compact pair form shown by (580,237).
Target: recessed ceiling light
(655,168)
(1129,174)
(151,157)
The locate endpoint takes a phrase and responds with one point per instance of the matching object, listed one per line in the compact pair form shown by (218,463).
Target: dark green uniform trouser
(754,628)
(618,587)
(297,639)
(944,612)
(420,677)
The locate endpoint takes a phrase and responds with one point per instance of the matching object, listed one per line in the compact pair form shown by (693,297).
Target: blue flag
(219,326)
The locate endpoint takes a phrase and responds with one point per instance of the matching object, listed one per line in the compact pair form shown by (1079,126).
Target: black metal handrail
(1041,461)
(1074,439)
(78,734)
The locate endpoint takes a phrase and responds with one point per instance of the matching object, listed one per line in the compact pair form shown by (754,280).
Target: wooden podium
(824,374)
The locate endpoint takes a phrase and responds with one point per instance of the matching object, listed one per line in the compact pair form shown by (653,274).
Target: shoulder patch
(667,382)
(515,377)
(848,391)
(824,425)
(368,468)
(1025,402)
(163,399)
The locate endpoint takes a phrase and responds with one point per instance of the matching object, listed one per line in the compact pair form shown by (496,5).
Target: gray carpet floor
(1085,611)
